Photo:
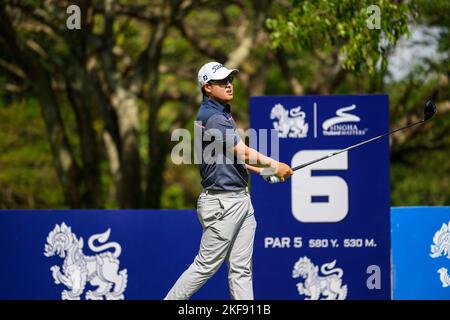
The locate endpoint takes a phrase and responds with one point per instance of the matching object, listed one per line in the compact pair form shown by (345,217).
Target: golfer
(224,207)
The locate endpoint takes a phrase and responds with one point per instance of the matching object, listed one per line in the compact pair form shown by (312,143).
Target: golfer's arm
(252,158)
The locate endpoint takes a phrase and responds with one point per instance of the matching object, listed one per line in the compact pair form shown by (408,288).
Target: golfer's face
(221,90)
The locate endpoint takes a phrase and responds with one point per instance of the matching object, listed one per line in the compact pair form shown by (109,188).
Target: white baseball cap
(213,71)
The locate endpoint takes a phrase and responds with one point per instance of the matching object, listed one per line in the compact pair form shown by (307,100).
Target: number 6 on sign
(319,198)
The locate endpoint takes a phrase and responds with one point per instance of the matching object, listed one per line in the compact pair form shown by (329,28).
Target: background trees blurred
(86,115)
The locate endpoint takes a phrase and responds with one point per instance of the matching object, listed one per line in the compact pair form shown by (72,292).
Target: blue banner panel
(96,254)
(324,234)
(421,253)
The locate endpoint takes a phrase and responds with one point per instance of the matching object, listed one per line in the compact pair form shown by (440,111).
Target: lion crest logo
(441,247)
(315,287)
(291,123)
(100,270)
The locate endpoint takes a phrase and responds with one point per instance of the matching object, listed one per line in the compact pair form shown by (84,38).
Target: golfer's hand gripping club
(272,175)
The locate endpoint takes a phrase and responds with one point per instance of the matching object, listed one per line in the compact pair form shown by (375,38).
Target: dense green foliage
(327,24)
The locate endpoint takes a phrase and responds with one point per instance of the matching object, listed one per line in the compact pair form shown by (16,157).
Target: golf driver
(428,113)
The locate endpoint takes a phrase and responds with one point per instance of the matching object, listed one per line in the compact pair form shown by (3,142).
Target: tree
(112,92)
(361,31)
(108,75)
(427,147)
(336,33)
(92,72)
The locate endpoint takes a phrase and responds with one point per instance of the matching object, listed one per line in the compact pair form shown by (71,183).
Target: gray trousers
(229,227)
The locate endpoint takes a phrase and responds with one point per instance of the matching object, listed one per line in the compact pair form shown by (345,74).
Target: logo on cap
(217,67)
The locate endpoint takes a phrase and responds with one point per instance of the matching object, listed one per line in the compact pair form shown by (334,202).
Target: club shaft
(353,146)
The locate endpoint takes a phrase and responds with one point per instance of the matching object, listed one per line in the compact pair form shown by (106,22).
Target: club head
(429,111)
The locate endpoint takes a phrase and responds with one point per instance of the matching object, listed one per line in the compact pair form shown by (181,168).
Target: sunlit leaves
(344,23)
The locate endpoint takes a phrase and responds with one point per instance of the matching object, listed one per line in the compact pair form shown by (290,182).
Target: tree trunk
(92,191)
(157,151)
(66,167)
(68,171)
(125,105)
(130,163)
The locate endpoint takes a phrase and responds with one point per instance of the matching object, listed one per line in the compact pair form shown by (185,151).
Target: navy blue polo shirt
(219,169)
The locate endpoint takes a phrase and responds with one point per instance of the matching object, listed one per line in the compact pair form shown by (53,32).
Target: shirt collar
(216,105)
